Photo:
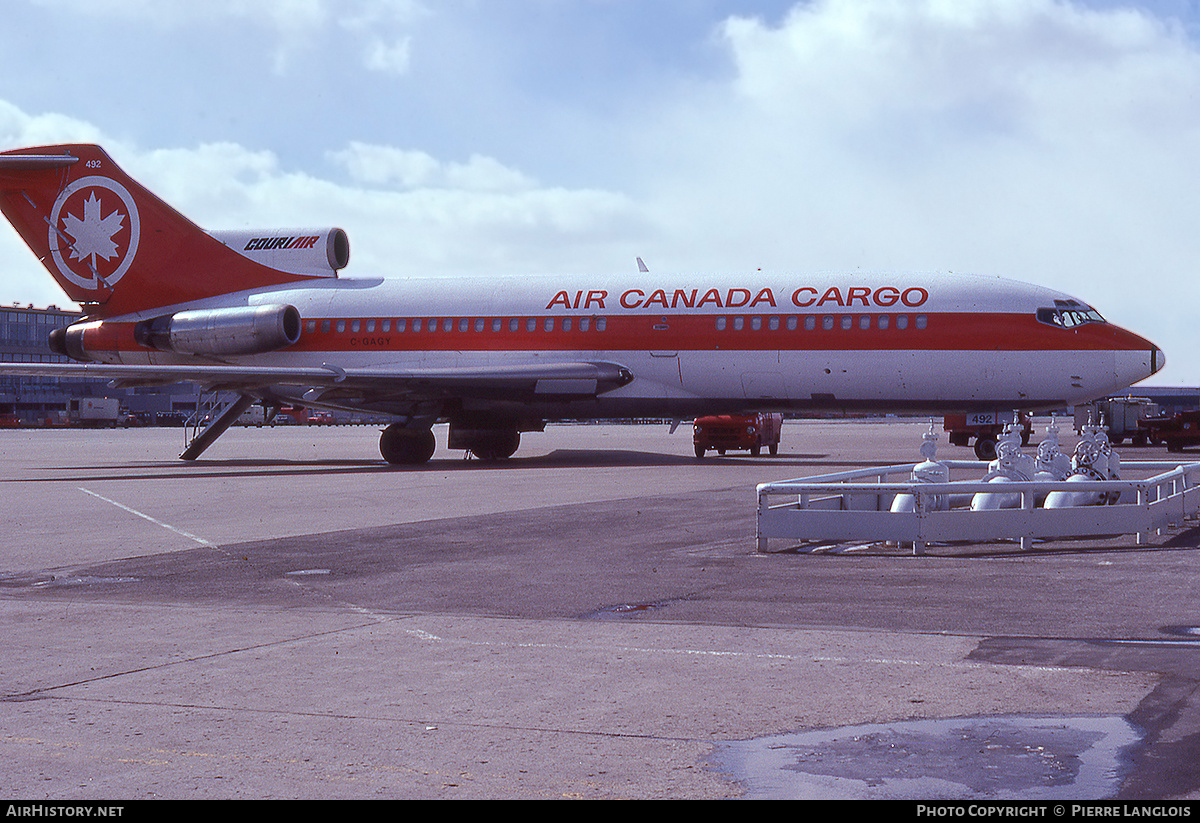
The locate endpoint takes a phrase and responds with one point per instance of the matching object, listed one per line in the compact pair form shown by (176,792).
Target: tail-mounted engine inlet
(311,252)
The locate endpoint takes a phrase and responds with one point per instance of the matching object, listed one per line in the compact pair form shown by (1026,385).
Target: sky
(1055,142)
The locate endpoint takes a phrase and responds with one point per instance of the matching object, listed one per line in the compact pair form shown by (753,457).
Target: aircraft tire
(403,446)
(501,446)
(700,452)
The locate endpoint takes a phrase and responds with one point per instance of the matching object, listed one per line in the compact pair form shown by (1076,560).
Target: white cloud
(411,169)
(284,15)
(384,29)
(392,58)
(19,129)
(379,26)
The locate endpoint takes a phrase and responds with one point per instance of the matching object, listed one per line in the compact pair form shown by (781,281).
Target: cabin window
(921,320)
(601,324)
(478,324)
(386,326)
(902,321)
(513,324)
(497,323)
(773,323)
(739,323)
(721,321)
(792,322)
(864,322)
(355,325)
(566,324)
(416,324)
(882,322)
(585,323)
(341,326)
(448,324)
(311,326)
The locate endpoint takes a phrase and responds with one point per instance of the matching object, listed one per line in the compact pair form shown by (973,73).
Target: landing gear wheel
(405,446)
(700,452)
(500,447)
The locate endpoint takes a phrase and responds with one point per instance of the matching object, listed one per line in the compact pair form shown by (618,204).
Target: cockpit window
(1067,314)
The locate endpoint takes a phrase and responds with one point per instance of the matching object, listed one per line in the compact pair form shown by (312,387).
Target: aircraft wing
(582,379)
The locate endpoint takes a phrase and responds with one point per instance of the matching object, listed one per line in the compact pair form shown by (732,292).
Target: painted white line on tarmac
(145,516)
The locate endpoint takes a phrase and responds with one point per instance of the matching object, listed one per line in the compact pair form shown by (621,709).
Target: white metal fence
(856,506)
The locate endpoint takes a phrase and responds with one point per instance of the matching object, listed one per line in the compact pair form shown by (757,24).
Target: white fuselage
(699,343)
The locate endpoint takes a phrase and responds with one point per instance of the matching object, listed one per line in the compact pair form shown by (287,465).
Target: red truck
(1178,431)
(731,432)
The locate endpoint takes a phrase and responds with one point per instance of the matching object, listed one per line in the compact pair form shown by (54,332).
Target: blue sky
(1050,141)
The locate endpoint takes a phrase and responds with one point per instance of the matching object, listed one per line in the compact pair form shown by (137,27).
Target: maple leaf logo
(93,241)
(92,234)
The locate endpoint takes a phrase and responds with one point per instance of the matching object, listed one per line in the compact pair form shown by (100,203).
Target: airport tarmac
(289,617)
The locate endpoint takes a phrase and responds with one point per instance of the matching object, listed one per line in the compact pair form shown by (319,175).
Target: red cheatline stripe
(940,332)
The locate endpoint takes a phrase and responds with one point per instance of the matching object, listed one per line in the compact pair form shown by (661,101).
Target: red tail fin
(109,242)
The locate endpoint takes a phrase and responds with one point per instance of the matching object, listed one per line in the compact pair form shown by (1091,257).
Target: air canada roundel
(94,231)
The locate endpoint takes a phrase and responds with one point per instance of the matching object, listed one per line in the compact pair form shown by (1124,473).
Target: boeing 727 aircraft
(268,315)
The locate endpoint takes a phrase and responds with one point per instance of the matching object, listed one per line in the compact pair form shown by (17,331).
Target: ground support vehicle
(1178,431)
(1121,415)
(97,412)
(733,432)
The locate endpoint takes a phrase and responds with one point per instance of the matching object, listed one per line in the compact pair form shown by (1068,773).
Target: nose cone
(1136,364)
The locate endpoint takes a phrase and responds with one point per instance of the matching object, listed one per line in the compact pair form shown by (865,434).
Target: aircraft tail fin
(116,248)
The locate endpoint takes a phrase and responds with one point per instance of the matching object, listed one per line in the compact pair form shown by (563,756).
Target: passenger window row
(827,322)
(462,324)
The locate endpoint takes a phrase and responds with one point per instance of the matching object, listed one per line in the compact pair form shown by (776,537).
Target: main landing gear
(413,445)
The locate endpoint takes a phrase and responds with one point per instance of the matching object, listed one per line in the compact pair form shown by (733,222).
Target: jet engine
(219,332)
(85,342)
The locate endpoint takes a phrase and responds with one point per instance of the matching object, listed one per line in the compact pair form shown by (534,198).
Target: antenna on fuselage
(642,266)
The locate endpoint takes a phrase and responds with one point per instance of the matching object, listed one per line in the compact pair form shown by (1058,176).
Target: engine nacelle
(314,252)
(219,332)
(86,342)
